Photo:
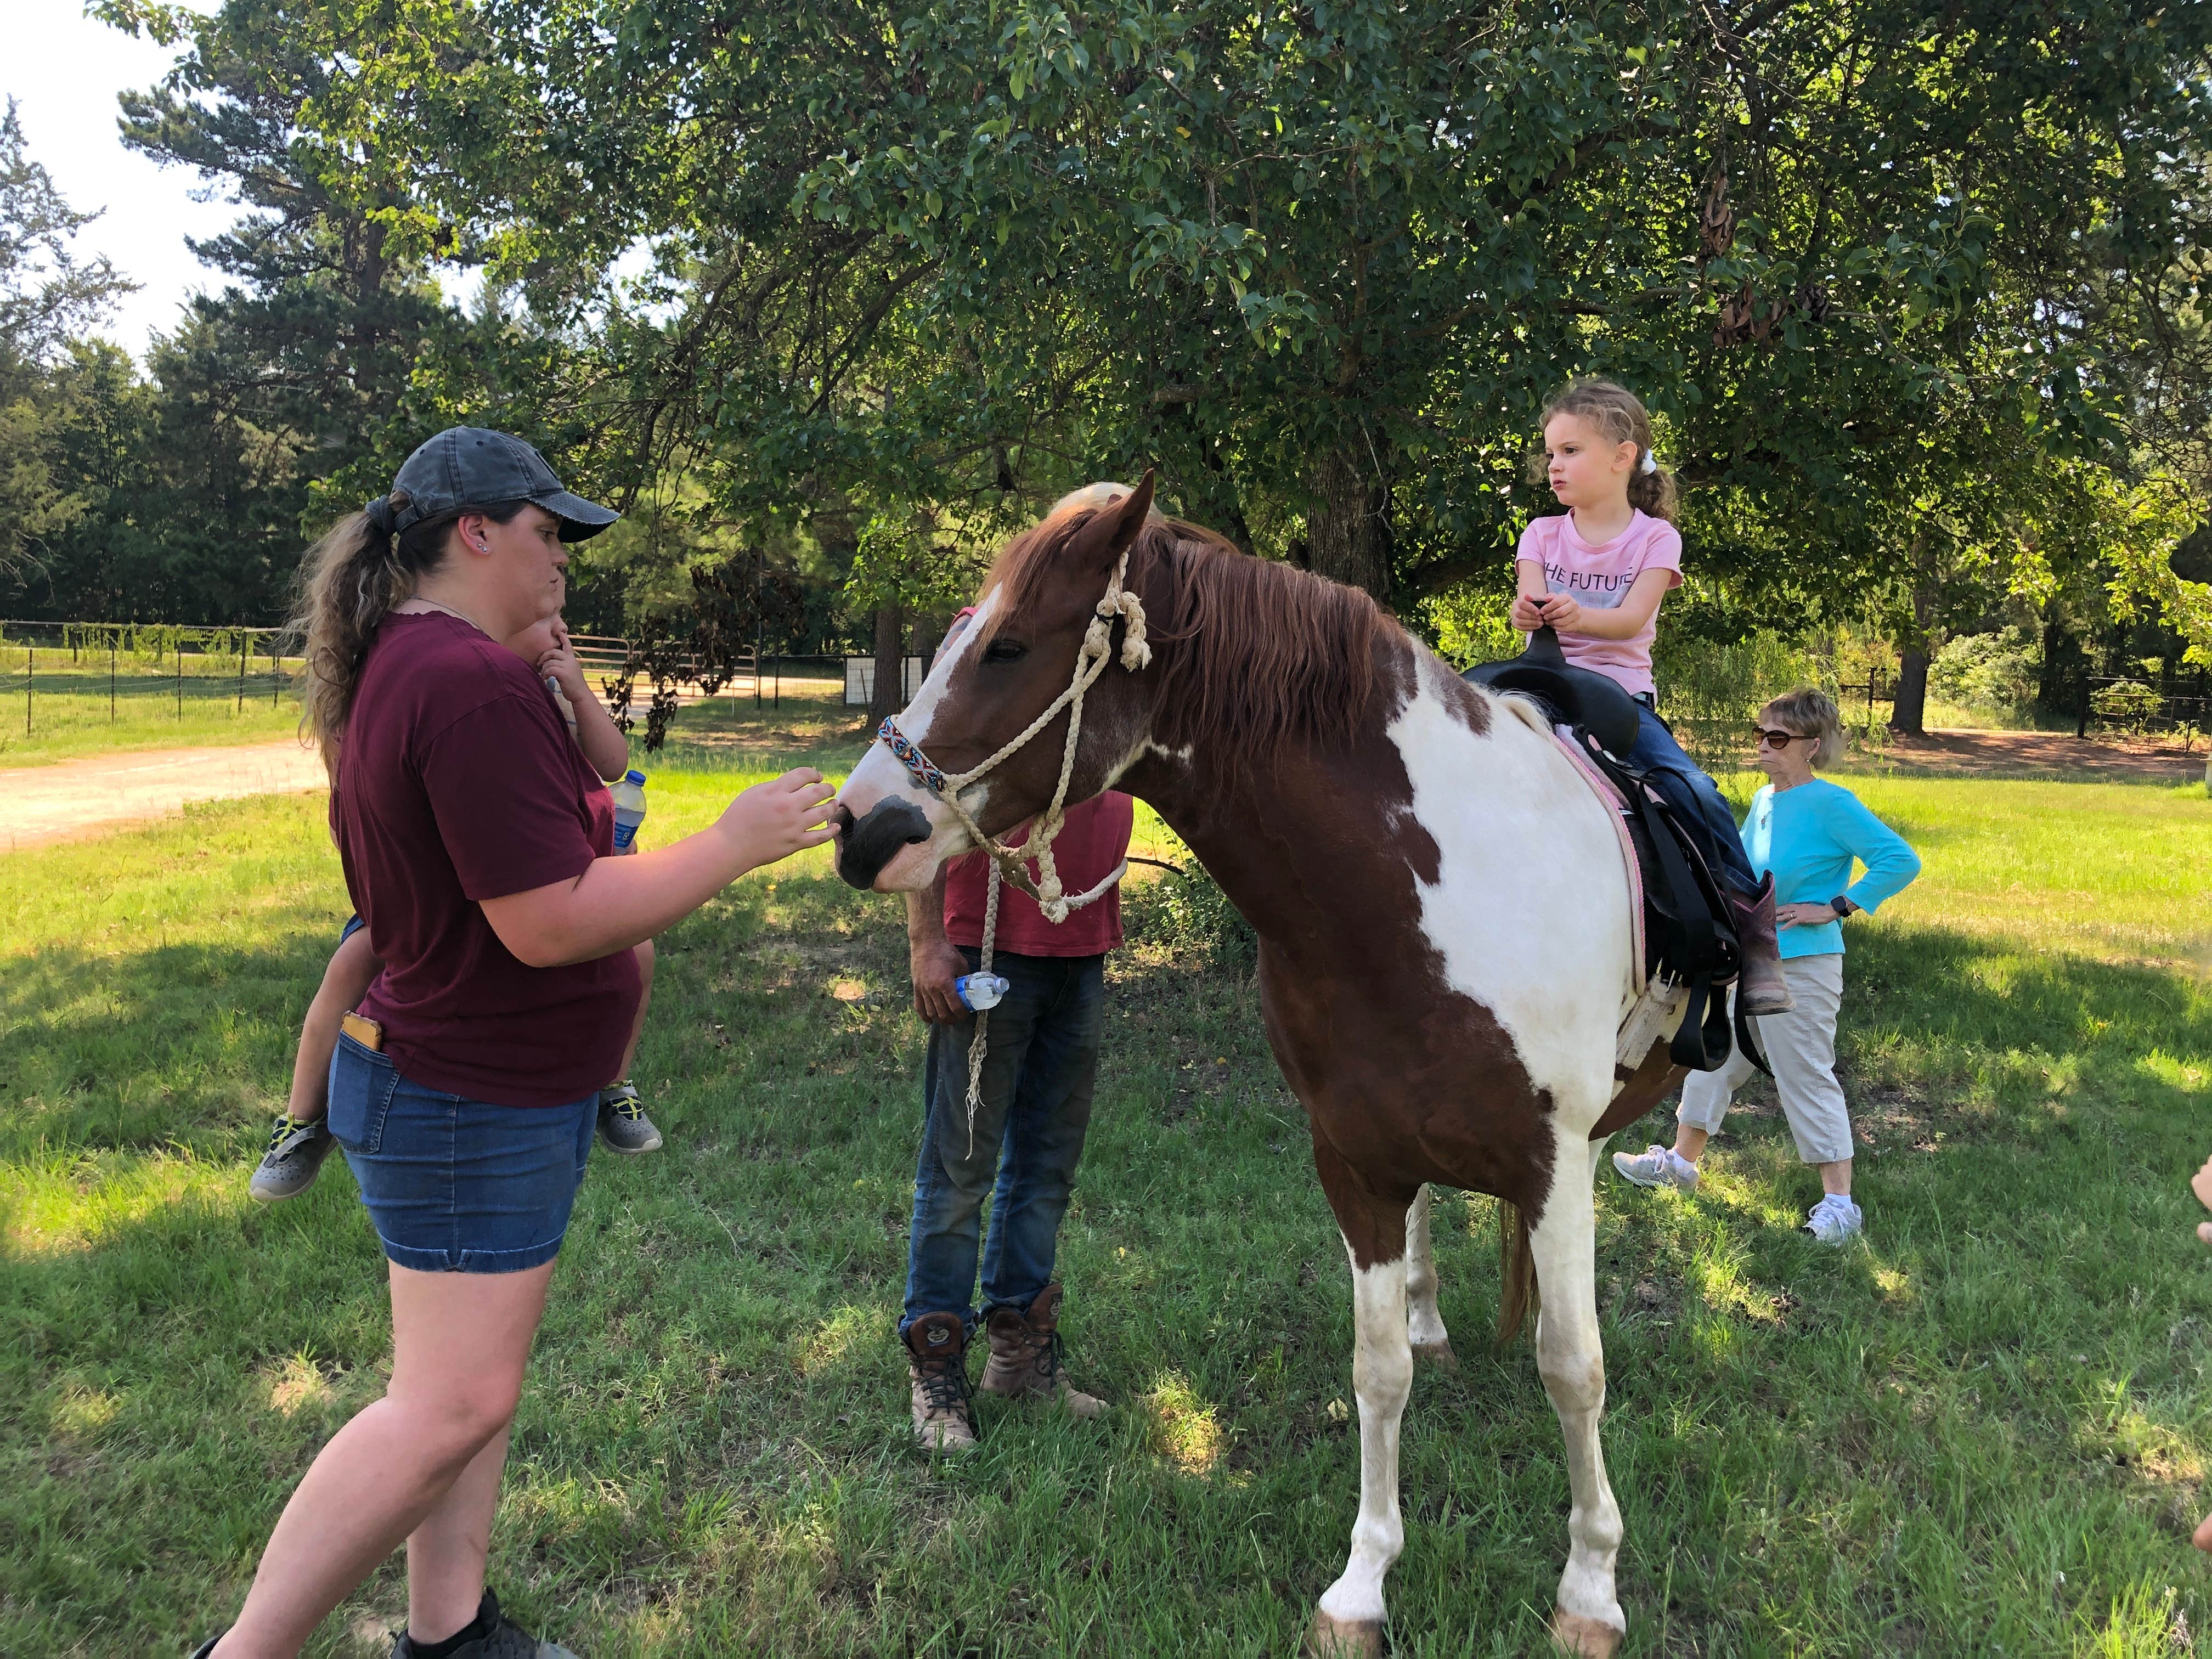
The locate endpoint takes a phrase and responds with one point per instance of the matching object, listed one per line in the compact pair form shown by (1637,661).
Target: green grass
(1984,1431)
(52,707)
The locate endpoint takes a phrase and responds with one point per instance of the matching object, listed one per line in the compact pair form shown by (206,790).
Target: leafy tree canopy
(1321,263)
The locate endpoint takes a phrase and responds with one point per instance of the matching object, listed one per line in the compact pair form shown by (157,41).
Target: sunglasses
(1770,736)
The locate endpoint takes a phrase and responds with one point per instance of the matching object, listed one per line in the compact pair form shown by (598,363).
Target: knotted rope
(1092,660)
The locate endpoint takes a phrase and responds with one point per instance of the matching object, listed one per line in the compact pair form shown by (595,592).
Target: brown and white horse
(1444,922)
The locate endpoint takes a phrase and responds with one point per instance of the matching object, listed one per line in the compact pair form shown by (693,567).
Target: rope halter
(1090,661)
(1052,898)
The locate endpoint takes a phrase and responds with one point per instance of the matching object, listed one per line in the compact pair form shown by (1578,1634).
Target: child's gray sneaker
(294,1158)
(1657,1166)
(623,1122)
(1835,1220)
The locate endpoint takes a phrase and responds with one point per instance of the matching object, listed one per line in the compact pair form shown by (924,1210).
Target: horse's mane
(1255,656)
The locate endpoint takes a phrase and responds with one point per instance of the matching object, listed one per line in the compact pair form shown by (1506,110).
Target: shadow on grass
(1887,1448)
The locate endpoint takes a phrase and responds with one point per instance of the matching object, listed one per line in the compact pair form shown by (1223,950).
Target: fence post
(244,643)
(180,679)
(30,673)
(276,670)
(111,679)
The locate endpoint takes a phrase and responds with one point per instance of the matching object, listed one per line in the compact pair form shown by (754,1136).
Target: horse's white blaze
(880,775)
(915,721)
(1530,909)
(1381,1376)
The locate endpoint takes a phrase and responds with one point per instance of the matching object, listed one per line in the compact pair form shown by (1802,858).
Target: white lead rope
(1053,899)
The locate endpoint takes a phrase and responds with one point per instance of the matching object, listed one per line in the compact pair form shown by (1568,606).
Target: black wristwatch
(1842,906)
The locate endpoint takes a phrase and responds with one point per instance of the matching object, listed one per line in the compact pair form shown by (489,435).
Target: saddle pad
(1616,810)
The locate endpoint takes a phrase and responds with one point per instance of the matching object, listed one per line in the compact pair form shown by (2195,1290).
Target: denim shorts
(454,1185)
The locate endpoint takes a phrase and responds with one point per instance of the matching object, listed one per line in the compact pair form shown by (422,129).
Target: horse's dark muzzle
(871,843)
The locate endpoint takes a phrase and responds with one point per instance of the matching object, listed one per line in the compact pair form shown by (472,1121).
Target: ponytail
(351,581)
(1620,414)
(1651,489)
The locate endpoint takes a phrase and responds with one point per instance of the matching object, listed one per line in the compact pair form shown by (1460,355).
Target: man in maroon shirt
(1027,1134)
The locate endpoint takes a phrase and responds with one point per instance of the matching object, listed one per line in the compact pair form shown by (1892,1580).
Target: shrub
(1711,692)
(1994,673)
(1191,915)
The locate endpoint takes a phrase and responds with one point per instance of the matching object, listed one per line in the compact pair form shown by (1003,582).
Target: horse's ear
(1112,528)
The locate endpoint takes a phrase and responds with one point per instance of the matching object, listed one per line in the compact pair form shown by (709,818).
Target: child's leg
(643,953)
(353,967)
(1696,798)
(623,1125)
(1800,1046)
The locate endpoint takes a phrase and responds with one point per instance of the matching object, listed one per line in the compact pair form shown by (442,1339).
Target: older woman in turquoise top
(1809,832)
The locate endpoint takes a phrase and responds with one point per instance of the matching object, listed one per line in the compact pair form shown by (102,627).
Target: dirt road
(39,805)
(2044,754)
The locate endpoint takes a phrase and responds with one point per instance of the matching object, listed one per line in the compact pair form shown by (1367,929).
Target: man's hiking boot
(1759,987)
(293,1160)
(1025,1356)
(937,1362)
(623,1122)
(493,1635)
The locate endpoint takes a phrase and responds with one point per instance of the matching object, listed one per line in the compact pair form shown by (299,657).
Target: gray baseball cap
(470,466)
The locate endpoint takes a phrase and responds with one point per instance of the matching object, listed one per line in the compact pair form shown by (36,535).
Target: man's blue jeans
(1037,1081)
(1695,798)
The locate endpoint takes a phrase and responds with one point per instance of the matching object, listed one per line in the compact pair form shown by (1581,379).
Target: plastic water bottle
(977,992)
(630,809)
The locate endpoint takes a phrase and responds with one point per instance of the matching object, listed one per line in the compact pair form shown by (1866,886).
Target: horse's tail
(1517,1271)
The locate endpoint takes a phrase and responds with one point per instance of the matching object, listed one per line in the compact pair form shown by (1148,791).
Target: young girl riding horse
(1596,574)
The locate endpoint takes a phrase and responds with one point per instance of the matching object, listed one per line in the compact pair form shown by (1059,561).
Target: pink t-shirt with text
(1598,578)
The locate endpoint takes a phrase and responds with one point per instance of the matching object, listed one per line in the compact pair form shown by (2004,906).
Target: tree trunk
(1908,711)
(889,693)
(1348,525)
(927,636)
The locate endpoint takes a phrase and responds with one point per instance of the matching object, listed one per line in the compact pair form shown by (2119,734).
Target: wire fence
(62,677)
(59,675)
(2115,703)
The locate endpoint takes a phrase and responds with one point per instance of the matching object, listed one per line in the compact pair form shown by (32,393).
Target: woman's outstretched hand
(785,815)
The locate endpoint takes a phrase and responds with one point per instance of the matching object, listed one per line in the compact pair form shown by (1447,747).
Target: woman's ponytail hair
(352,578)
(1618,413)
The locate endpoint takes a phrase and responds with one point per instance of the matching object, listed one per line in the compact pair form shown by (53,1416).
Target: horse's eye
(1005,651)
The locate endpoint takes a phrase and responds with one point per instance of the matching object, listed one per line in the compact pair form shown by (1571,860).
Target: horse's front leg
(1349,1623)
(1569,1357)
(1424,1323)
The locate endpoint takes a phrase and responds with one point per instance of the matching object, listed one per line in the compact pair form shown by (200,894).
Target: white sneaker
(1835,1220)
(1657,1166)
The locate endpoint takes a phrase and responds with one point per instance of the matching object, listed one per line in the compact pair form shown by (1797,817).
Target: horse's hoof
(1438,1354)
(1584,1637)
(1344,1638)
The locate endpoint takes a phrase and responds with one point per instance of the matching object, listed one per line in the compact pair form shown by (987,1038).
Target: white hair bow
(1650,463)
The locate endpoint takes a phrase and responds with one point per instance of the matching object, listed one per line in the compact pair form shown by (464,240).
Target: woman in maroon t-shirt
(476,845)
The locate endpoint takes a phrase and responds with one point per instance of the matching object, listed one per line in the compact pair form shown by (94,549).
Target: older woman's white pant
(1800,1046)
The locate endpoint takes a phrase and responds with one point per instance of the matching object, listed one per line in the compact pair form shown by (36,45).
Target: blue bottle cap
(633,776)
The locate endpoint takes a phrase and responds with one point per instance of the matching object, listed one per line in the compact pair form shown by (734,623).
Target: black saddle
(1688,932)
(1589,702)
